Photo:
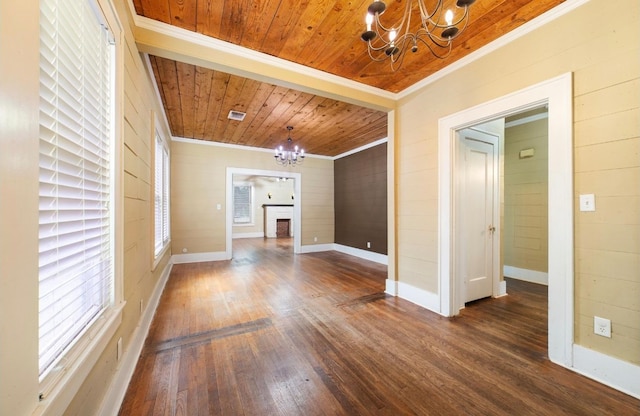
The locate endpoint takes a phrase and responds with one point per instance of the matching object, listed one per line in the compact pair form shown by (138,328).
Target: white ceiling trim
(361,148)
(262,149)
(239,147)
(517,33)
(260,66)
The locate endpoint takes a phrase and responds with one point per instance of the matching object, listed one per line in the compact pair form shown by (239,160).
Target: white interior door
(476,213)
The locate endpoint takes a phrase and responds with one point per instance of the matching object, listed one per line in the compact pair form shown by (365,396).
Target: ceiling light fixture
(291,155)
(437,30)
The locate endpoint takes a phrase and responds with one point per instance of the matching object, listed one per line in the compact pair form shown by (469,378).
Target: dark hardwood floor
(272,333)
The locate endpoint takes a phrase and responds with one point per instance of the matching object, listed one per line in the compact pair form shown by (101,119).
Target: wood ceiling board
(325,34)
(198,100)
(292,62)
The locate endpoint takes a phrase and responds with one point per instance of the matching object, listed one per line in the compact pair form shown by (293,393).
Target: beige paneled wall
(525,228)
(198,185)
(603,55)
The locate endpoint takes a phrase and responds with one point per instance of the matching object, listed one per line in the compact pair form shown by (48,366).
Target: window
(242,203)
(76,259)
(161,200)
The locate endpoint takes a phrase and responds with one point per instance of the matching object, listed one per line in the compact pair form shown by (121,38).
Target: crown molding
(361,148)
(502,41)
(239,147)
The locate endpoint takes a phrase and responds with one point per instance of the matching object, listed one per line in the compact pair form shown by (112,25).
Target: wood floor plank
(273,333)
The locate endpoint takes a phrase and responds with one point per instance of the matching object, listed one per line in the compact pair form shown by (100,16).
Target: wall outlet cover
(602,326)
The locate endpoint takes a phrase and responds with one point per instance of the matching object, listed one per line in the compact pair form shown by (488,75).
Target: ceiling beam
(161,39)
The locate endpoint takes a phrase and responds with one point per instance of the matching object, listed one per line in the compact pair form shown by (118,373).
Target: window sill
(160,255)
(62,386)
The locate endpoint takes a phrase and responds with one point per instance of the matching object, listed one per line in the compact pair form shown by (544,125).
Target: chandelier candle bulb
(448,17)
(385,42)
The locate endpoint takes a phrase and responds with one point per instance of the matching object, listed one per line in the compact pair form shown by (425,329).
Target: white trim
(525,120)
(89,350)
(502,289)
(297,207)
(363,254)
(241,147)
(527,275)
(557,94)
(361,148)
(613,372)
(256,234)
(124,372)
(420,297)
(199,257)
(316,248)
(532,25)
(391,287)
(164,40)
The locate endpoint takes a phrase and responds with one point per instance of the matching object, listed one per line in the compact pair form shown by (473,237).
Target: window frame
(58,386)
(160,139)
(251,217)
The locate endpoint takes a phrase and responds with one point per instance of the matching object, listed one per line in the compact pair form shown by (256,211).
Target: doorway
(297,205)
(557,94)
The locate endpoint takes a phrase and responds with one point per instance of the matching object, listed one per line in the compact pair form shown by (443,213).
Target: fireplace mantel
(273,213)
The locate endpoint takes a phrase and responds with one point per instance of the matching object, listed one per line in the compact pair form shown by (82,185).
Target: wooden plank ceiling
(321,34)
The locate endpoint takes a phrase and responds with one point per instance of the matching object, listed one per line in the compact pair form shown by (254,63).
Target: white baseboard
(391,287)
(248,235)
(611,371)
(198,257)
(316,248)
(502,289)
(120,382)
(363,254)
(420,297)
(532,276)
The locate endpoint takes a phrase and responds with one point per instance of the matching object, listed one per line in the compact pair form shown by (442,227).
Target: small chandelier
(437,29)
(291,155)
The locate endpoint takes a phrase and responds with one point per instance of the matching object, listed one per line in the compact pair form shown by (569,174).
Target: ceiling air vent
(236,115)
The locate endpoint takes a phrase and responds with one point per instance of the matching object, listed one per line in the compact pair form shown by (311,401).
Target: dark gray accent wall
(361,199)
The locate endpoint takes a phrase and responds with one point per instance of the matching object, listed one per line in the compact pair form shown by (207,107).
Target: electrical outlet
(141,306)
(602,326)
(119,349)
(368,244)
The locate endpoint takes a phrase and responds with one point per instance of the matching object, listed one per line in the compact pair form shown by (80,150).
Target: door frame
(557,94)
(297,206)
(458,168)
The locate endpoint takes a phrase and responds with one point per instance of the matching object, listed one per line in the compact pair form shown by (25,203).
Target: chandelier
(291,155)
(437,29)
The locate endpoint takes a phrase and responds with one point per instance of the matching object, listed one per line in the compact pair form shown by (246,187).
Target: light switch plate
(587,202)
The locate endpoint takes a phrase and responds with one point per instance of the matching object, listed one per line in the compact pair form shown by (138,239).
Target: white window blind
(75,238)
(242,203)
(161,200)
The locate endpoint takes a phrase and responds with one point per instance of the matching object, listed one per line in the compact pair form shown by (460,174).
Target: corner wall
(526,221)
(603,55)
